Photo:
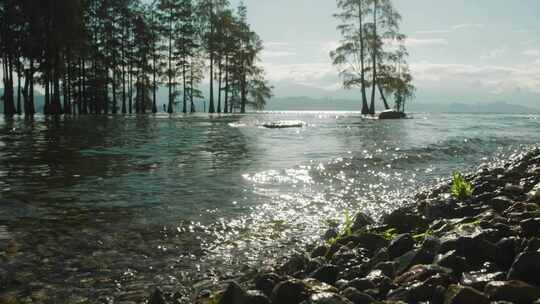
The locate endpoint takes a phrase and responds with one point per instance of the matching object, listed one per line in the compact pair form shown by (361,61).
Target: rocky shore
(436,249)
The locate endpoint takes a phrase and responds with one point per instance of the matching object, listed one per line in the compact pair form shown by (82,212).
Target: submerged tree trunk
(219,87)
(226,107)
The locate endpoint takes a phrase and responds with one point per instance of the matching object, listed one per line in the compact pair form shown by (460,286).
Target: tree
(349,56)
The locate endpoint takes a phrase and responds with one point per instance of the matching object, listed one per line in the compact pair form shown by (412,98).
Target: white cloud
(494,53)
(419,42)
(492,78)
(429,32)
(532,52)
(468,26)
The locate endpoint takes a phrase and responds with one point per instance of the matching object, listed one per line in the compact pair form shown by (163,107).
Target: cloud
(532,52)
(311,74)
(494,53)
(277,50)
(468,26)
(419,42)
(429,32)
(493,78)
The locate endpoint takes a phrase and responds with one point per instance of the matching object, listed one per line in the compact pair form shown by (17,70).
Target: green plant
(346,231)
(461,189)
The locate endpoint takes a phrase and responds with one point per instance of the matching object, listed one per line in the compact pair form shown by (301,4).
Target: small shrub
(461,189)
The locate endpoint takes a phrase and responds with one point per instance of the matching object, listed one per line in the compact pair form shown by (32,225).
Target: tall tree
(349,56)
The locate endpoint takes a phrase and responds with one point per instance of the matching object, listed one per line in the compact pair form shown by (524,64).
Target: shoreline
(436,248)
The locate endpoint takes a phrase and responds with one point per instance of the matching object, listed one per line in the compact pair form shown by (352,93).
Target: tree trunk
(226,107)
(184,110)
(374,55)
(365,108)
(386,106)
(219,86)
(19,108)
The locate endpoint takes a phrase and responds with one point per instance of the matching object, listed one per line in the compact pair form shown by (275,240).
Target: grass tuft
(461,189)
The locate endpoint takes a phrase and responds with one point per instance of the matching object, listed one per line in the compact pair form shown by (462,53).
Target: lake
(100,209)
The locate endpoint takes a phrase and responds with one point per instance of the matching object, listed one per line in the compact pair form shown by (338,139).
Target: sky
(460,50)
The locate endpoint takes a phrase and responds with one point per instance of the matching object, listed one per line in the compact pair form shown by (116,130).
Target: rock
(533,244)
(234,294)
(361,284)
(500,203)
(357,297)
(420,273)
(506,251)
(534,195)
(405,220)
(526,268)
(290,292)
(513,291)
(315,286)
(387,268)
(326,274)
(456,294)
(327,298)
(400,245)
(370,241)
(331,234)
(513,189)
(294,264)
(479,279)
(361,221)
(256,297)
(157,297)
(451,260)
(530,227)
(320,251)
(267,282)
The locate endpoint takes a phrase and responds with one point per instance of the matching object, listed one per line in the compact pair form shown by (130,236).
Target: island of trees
(111,56)
(372,55)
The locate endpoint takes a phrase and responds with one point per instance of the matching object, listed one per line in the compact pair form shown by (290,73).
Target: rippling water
(107,207)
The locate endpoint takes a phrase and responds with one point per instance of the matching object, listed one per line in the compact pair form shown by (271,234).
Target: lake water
(104,208)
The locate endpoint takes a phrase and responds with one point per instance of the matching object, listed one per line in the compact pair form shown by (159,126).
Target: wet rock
(526,268)
(456,294)
(400,245)
(513,189)
(361,221)
(479,279)
(513,291)
(296,263)
(267,282)
(421,273)
(530,227)
(534,195)
(500,203)
(290,292)
(387,268)
(357,297)
(331,234)
(158,298)
(453,261)
(368,240)
(320,251)
(327,298)
(234,294)
(361,284)
(405,220)
(533,244)
(506,251)
(315,286)
(256,297)
(326,274)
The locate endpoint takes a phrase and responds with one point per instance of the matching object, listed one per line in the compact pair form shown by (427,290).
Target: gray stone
(400,245)
(357,297)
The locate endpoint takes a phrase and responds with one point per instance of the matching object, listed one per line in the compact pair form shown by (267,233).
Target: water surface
(105,208)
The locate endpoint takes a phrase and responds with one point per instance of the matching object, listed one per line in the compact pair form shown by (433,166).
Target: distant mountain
(329,104)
